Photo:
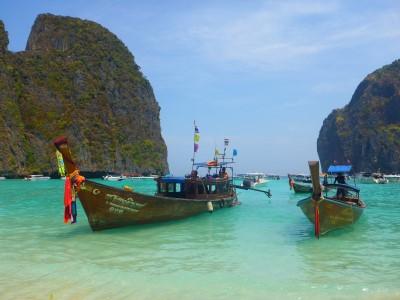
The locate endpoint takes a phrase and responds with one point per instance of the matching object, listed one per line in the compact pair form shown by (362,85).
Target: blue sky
(263,73)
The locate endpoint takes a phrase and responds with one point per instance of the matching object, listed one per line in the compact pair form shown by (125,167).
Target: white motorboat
(392,178)
(252,179)
(114,177)
(37,177)
(2,178)
(144,177)
(367,177)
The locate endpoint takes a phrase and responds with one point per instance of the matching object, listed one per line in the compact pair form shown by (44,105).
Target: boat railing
(341,186)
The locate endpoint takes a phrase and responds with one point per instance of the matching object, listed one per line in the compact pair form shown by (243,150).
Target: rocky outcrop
(3,38)
(79,80)
(367,130)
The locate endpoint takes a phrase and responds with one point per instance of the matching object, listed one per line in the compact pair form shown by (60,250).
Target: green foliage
(367,130)
(78,79)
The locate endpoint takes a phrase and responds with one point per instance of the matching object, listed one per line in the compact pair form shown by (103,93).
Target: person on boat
(291,182)
(223,173)
(193,175)
(340,179)
(325,182)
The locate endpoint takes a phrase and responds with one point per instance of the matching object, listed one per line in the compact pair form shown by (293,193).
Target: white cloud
(281,35)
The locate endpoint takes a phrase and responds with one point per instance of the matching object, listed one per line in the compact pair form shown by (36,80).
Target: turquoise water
(262,249)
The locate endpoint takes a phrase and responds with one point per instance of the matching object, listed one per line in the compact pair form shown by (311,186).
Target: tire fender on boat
(210,207)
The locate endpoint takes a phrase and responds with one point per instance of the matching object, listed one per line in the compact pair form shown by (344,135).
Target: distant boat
(367,177)
(252,179)
(176,197)
(392,178)
(143,177)
(338,207)
(37,177)
(114,177)
(2,178)
(272,176)
(300,183)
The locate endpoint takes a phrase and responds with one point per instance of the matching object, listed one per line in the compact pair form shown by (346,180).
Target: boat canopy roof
(172,179)
(213,164)
(339,169)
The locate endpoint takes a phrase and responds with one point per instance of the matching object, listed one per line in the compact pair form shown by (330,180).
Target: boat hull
(302,188)
(107,207)
(333,214)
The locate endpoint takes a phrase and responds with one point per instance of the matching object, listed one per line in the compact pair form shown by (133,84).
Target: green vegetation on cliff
(76,79)
(367,130)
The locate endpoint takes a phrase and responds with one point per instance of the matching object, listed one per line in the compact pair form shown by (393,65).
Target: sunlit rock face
(366,132)
(77,79)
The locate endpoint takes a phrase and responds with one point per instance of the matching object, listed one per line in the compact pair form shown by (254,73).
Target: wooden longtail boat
(176,197)
(302,188)
(300,183)
(340,206)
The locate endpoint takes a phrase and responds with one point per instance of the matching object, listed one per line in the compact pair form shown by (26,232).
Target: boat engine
(246,183)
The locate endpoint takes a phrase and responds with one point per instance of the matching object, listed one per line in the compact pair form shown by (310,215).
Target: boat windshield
(341,192)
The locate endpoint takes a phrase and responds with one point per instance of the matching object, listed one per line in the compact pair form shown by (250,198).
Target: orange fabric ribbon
(67,199)
(77,179)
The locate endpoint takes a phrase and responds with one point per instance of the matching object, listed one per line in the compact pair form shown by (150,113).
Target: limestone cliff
(77,79)
(367,130)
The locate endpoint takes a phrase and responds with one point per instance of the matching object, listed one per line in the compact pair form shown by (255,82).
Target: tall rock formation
(76,79)
(367,130)
(3,38)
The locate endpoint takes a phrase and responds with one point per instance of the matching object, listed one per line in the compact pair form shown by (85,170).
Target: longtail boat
(176,197)
(300,183)
(338,206)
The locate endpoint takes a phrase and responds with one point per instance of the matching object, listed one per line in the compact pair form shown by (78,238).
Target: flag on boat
(216,152)
(60,163)
(196,138)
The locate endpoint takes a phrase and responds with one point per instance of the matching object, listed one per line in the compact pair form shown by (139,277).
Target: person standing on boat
(291,182)
(340,179)
(223,173)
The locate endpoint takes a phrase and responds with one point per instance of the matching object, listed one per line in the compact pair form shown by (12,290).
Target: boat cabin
(192,188)
(210,186)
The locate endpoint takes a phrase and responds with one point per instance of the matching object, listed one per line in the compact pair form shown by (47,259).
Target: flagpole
(194,152)
(196,138)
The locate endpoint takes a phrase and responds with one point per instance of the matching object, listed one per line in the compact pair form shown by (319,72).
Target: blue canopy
(171,179)
(339,169)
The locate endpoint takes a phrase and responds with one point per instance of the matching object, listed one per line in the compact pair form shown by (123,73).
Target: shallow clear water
(262,249)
